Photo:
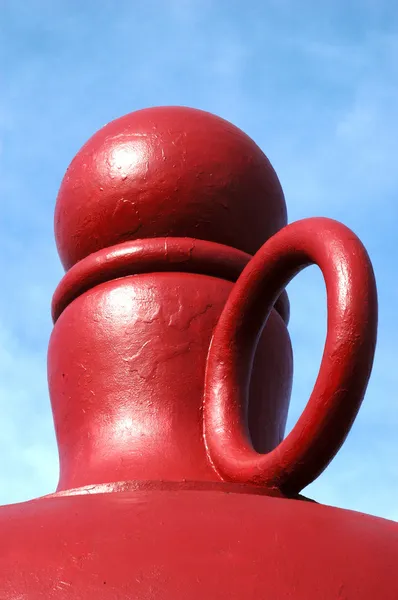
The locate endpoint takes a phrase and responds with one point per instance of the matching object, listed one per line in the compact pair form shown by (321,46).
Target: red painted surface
(173,172)
(170,371)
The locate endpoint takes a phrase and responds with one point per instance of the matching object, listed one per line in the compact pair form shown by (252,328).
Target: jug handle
(345,368)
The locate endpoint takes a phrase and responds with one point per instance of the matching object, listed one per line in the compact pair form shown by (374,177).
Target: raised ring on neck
(135,257)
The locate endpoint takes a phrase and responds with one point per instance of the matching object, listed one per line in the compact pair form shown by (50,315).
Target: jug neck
(127,362)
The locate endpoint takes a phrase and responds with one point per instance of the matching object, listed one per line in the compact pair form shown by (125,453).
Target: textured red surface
(346,363)
(170,371)
(176,544)
(135,373)
(167,171)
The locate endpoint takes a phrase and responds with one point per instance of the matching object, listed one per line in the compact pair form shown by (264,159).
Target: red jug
(170,372)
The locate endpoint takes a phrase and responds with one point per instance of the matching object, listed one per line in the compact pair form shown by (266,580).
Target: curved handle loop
(345,368)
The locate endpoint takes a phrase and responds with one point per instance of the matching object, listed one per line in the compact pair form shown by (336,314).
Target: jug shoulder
(195,544)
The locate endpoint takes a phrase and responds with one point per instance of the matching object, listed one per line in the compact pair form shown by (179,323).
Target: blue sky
(314,83)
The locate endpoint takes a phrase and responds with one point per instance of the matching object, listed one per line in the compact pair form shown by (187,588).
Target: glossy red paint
(169,171)
(344,372)
(170,372)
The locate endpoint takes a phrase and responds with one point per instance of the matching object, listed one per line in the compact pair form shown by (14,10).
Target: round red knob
(169,171)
